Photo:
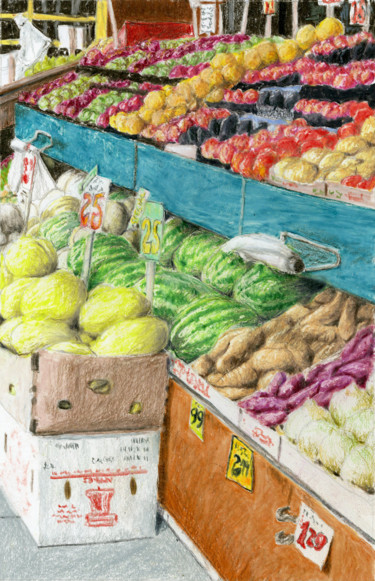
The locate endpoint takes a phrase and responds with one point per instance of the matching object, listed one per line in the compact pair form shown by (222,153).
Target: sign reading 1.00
(151,223)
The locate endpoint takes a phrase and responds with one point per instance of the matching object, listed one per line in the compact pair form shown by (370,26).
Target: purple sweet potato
(294,384)
(299,398)
(365,348)
(272,418)
(338,382)
(323,398)
(359,370)
(266,404)
(278,380)
(314,373)
(350,351)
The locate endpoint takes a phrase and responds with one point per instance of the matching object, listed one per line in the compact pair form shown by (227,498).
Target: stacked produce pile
(340,438)
(246,360)
(50,62)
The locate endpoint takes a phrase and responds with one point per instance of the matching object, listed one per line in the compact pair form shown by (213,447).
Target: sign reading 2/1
(240,467)
(94,199)
(152,222)
(312,537)
(196,419)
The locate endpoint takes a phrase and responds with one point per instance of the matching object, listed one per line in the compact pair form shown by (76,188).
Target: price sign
(268,6)
(330,2)
(312,537)
(152,223)
(358,12)
(28,168)
(94,199)
(207,19)
(196,418)
(240,467)
(139,206)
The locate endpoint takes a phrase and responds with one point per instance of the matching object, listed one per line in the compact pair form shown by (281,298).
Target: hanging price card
(358,12)
(152,223)
(312,537)
(139,206)
(196,419)
(93,204)
(268,6)
(240,467)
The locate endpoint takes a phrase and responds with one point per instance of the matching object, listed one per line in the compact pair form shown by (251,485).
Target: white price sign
(94,200)
(358,12)
(208,19)
(312,537)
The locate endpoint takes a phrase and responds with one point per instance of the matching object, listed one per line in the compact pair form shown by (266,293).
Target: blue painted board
(350,229)
(204,195)
(82,147)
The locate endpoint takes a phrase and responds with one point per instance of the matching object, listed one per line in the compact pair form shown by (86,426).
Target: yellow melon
(222,59)
(155,100)
(232,73)
(288,51)
(252,59)
(329,27)
(267,52)
(306,36)
(215,95)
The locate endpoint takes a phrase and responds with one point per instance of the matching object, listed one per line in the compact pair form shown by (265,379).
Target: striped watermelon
(59,228)
(196,328)
(174,233)
(195,251)
(118,269)
(106,247)
(222,270)
(173,291)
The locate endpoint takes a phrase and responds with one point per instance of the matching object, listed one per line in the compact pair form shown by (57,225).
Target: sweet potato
(267,381)
(366,312)
(240,345)
(347,322)
(235,393)
(322,298)
(241,376)
(272,418)
(315,332)
(327,314)
(274,357)
(223,342)
(292,385)
(265,404)
(203,365)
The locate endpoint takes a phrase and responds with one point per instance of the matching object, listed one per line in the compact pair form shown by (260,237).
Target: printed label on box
(196,418)
(240,467)
(312,537)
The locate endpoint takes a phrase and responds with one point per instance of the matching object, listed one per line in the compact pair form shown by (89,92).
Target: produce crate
(357,196)
(58,393)
(80,489)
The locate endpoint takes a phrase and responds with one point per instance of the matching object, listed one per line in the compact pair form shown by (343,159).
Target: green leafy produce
(361,424)
(346,402)
(222,270)
(300,417)
(359,467)
(312,435)
(197,327)
(334,449)
(195,250)
(59,228)
(175,232)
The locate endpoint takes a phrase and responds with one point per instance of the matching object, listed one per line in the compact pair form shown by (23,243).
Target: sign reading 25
(152,223)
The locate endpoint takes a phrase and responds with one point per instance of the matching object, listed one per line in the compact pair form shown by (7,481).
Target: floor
(163,558)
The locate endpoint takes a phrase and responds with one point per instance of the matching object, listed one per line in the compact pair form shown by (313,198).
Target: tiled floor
(163,558)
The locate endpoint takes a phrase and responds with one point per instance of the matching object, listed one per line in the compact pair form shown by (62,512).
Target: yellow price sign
(196,418)
(151,223)
(240,467)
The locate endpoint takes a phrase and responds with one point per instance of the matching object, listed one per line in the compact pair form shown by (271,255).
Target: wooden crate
(56,393)
(234,528)
(80,489)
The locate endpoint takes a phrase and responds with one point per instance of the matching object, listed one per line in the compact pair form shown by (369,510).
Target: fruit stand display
(271,144)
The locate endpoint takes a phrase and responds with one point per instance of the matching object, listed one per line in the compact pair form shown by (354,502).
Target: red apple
(246,165)
(236,160)
(352,181)
(330,141)
(347,130)
(209,147)
(361,115)
(263,136)
(344,81)
(287,147)
(364,77)
(226,152)
(240,142)
(310,143)
(262,164)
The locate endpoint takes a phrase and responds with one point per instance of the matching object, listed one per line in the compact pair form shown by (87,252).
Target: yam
(347,322)
(223,342)
(277,357)
(235,393)
(366,312)
(241,376)
(240,345)
(203,366)
(322,298)
(327,314)
(316,332)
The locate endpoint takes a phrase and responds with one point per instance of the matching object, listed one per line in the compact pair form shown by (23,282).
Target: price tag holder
(196,418)
(240,466)
(139,207)
(313,537)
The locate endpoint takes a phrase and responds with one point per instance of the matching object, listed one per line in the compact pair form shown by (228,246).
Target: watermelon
(195,251)
(222,270)
(174,233)
(119,273)
(270,292)
(174,291)
(59,228)
(106,247)
(198,326)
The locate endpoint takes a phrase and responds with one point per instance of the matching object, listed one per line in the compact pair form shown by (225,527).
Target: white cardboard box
(80,489)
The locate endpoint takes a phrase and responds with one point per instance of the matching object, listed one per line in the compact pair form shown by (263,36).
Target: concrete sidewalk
(163,558)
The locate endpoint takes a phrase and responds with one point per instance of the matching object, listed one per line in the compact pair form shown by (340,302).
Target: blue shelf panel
(82,147)
(202,194)
(350,229)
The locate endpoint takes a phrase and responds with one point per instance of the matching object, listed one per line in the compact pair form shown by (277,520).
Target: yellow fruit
(10,298)
(5,276)
(180,110)
(329,27)
(351,145)
(205,75)
(252,59)
(368,130)
(113,121)
(222,59)
(169,113)
(200,87)
(155,100)
(280,167)
(110,306)
(239,56)
(167,89)
(57,296)
(145,114)
(64,204)
(174,100)
(337,175)
(267,52)
(302,171)
(216,79)
(184,89)
(74,347)
(306,37)
(31,257)
(6,330)
(134,125)
(366,169)
(33,231)
(141,336)
(288,51)
(159,117)
(232,73)
(34,334)
(215,96)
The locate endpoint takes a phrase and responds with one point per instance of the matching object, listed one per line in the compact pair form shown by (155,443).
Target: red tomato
(236,160)
(287,147)
(361,115)
(352,181)
(246,165)
(262,164)
(347,130)
(330,140)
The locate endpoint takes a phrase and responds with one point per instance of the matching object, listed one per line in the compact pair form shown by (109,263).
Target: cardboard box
(80,489)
